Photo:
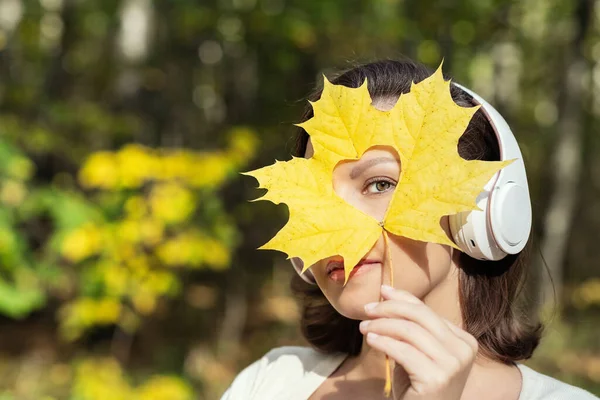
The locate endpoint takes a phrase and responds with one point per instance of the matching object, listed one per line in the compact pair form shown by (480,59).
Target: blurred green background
(128,267)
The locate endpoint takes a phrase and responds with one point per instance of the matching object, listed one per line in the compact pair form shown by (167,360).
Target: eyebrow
(359,169)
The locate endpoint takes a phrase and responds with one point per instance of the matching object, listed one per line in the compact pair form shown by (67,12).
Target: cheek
(419,267)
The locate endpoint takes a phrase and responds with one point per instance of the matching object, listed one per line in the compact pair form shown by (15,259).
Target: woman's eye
(379,186)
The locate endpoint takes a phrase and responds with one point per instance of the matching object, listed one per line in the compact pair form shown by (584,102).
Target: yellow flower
(173,253)
(210,170)
(175,165)
(123,251)
(151,231)
(216,254)
(136,165)
(100,170)
(242,144)
(145,290)
(139,265)
(161,282)
(144,301)
(104,379)
(171,202)
(193,248)
(82,243)
(101,380)
(183,249)
(106,311)
(128,230)
(116,278)
(85,312)
(164,388)
(136,207)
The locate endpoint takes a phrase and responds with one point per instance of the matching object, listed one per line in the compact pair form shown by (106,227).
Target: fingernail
(372,336)
(370,306)
(387,288)
(364,324)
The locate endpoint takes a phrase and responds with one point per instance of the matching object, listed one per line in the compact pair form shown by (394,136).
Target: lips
(336,267)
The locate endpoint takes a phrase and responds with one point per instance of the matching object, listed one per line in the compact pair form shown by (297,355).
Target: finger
(416,364)
(391,293)
(416,312)
(411,333)
(458,342)
(463,335)
(450,358)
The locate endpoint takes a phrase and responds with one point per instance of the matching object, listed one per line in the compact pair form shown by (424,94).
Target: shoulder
(294,359)
(277,369)
(306,356)
(539,386)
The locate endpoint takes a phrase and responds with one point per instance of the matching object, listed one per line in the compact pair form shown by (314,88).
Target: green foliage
(118,253)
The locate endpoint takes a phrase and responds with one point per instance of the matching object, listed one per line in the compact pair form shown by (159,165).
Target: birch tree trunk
(566,158)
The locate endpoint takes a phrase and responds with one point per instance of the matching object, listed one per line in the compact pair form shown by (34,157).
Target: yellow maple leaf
(424,127)
(321,224)
(345,124)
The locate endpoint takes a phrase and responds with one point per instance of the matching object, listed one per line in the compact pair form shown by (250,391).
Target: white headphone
(503,225)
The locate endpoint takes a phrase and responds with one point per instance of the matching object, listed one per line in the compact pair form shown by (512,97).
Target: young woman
(450,324)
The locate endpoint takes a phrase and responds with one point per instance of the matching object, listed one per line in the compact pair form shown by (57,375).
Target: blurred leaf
(19,302)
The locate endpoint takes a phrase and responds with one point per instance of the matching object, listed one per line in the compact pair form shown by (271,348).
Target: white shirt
(294,373)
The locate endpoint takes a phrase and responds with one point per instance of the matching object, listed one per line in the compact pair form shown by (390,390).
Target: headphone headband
(510,214)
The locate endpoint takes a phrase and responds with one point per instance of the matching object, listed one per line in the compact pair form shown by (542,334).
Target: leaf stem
(387,390)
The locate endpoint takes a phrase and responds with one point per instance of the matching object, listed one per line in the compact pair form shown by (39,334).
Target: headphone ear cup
(472,233)
(307,275)
(511,217)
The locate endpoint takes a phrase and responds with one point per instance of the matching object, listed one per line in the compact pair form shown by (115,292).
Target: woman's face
(418,267)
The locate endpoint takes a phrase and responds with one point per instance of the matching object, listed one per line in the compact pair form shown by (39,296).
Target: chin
(349,300)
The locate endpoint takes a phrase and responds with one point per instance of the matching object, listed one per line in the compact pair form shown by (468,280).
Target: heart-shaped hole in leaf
(369,183)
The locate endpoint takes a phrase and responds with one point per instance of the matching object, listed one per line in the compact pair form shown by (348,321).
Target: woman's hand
(436,355)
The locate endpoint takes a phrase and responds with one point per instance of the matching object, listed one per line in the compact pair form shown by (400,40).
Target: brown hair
(488,290)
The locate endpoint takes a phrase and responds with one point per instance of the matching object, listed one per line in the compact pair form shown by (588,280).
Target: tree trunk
(566,160)
(57,82)
(236,310)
